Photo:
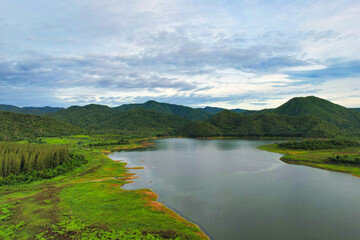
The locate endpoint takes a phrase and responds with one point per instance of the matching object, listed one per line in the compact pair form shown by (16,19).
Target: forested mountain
(267,124)
(29,110)
(104,119)
(238,110)
(143,120)
(215,110)
(355,109)
(177,110)
(299,117)
(338,115)
(212,110)
(14,126)
(43,110)
(272,124)
(87,117)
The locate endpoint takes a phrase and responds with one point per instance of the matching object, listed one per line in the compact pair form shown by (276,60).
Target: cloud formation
(219,53)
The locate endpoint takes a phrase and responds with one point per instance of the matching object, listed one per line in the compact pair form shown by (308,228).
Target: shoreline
(292,157)
(153,196)
(91,196)
(178,213)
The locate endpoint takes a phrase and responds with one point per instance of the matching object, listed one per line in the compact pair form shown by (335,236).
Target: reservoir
(233,190)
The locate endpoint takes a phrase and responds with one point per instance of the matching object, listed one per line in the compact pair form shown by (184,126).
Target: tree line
(345,159)
(18,158)
(320,144)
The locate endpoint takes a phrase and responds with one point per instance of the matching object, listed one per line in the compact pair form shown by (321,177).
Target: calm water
(235,191)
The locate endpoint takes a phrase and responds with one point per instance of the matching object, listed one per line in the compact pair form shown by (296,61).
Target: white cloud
(234,53)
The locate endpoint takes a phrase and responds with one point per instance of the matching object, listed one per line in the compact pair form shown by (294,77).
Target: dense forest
(102,119)
(320,144)
(16,126)
(228,123)
(25,162)
(22,157)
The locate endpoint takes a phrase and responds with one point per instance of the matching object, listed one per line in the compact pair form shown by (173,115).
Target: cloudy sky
(244,54)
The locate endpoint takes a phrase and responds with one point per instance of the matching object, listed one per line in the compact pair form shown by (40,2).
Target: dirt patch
(135,168)
(156,205)
(116,185)
(91,170)
(151,195)
(48,196)
(100,180)
(131,177)
(128,176)
(147,143)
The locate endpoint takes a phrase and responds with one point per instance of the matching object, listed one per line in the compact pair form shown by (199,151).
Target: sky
(233,54)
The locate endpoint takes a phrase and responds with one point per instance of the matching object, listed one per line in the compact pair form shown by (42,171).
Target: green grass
(91,196)
(317,158)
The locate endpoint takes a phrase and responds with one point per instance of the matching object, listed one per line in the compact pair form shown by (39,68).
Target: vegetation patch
(70,228)
(23,162)
(8,227)
(338,159)
(320,144)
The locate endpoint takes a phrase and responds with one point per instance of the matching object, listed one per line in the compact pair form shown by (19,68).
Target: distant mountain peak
(167,108)
(29,110)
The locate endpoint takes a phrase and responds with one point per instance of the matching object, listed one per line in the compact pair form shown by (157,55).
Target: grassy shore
(317,158)
(89,202)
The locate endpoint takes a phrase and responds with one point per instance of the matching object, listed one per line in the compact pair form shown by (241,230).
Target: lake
(233,190)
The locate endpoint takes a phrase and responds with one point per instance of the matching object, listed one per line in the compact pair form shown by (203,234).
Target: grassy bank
(317,158)
(89,202)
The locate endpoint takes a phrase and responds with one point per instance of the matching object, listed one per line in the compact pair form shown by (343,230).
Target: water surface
(235,191)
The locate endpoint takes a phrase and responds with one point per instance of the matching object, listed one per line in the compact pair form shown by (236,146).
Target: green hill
(177,110)
(43,110)
(216,110)
(355,109)
(99,118)
(143,121)
(238,110)
(272,124)
(15,126)
(338,115)
(29,110)
(299,117)
(212,110)
(88,117)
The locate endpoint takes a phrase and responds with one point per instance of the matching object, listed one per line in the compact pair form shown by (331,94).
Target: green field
(88,202)
(318,158)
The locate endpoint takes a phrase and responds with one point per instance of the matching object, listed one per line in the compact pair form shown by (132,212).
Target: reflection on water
(235,191)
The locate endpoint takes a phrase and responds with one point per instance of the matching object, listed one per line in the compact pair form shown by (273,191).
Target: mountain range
(299,117)
(29,110)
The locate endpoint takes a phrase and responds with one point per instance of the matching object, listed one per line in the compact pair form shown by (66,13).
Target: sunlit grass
(92,194)
(317,158)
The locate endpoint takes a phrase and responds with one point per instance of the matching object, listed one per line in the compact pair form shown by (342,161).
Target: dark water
(235,191)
